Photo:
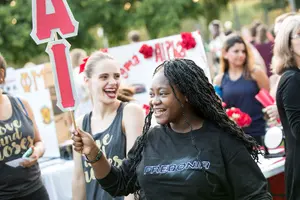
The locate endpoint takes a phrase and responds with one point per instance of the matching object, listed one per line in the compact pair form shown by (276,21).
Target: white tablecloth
(272,166)
(57,175)
(57,178)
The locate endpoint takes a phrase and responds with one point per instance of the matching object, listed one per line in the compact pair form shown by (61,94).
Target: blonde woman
(287,54)
(272,110)
(112,124)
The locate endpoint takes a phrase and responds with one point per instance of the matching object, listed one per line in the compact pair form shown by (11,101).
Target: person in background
(216,44)
(134,36)
(253,31)
(279,20)
(272,111)
(264,47)
(271,33)
(287,53)
(195,152)
(240,80)
(228,28)
(274,79)
(77,56)
(112,124)
(18,134)
(247,36)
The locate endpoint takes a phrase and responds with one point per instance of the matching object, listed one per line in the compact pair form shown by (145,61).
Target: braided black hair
(191,81)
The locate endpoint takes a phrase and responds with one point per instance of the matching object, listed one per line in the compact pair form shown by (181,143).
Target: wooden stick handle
(73,119)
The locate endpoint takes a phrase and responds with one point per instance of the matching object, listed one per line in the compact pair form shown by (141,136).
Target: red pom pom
(240,118)
(188,41)
(244,120)
(146,50)
(82,65)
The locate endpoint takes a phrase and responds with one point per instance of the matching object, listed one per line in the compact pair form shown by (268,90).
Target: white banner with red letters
(138,60)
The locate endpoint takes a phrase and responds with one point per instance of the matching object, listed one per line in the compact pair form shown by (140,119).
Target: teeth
(159,111)
(110,90)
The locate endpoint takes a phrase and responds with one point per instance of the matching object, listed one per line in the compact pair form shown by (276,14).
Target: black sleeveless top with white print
(16,137)
(112,142)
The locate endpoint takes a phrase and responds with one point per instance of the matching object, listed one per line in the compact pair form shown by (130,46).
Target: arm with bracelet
(116,181)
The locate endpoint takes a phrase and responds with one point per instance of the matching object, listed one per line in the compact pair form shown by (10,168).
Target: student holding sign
(113,125)
(20,148)
(196,152)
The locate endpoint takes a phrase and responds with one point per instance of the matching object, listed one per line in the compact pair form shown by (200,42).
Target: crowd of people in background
(240,76)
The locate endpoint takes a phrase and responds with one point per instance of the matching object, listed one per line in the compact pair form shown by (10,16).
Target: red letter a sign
(50,16)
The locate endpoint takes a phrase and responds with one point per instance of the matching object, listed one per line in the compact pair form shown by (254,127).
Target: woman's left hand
(33,158)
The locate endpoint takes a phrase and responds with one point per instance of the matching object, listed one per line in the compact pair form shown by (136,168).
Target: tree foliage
(15,26)
(159,17)
(274,4)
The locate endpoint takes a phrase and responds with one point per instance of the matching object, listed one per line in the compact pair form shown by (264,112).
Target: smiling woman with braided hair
(196,151)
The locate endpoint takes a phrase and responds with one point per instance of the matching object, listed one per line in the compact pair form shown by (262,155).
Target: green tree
(116,17)
(15,26)
(163,18)
(16,23)
(110,15)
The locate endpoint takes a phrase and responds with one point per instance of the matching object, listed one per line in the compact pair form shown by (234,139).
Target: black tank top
(16,136)
(112,141)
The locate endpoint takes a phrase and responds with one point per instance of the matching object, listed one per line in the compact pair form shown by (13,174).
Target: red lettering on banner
(60,57)
(135,60)
(127,65)
(49,16)
(169,46)
(126,68)
(124,73)
(168,50)
(179,52)
(159,54)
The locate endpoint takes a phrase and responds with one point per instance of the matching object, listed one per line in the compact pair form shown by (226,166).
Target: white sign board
(137,70)
(30,80)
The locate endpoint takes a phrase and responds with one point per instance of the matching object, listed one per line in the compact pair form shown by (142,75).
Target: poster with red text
(137,68)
